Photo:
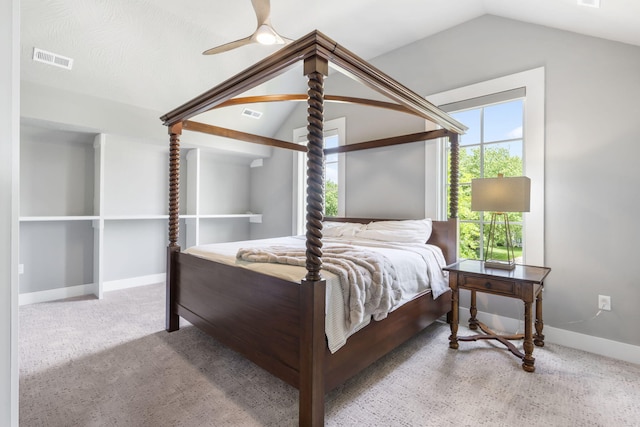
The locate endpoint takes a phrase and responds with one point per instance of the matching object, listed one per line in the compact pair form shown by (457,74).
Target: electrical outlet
(20,268)
(604,302)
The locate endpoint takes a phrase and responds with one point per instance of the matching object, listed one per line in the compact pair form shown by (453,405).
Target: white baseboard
(56,294)
(596,345)
(89,289)
(132,282)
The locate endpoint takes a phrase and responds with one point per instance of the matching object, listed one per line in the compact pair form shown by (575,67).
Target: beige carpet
(88,362)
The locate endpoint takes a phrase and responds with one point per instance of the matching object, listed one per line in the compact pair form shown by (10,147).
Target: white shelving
(94,210)
(57,218)
(255,218)
(213,186)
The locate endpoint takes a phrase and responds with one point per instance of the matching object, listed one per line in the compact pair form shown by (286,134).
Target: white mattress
(418,268)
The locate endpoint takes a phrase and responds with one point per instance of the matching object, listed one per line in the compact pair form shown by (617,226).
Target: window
(494,142)
(493,145)
(331,177)
(334,135)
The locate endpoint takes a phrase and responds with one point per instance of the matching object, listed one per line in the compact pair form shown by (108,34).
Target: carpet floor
(109,362)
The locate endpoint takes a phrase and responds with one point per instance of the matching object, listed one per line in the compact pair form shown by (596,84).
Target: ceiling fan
(264,33)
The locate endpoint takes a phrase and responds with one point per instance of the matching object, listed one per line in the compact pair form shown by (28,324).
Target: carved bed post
(454,156)
(312,289)
(315,168)
(453,178)
(175,131)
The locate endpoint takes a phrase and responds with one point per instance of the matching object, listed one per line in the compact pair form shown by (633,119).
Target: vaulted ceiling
(148,53)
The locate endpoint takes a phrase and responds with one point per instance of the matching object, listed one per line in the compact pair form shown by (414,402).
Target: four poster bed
(276,323)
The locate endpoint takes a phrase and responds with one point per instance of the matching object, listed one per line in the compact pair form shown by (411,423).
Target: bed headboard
(444,234)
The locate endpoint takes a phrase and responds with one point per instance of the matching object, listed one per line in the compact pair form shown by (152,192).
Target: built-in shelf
(57,218)
(134,217)
(90,206)
(255,218)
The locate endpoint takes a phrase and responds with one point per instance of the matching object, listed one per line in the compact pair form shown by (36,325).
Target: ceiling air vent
(251,113)
(52,58)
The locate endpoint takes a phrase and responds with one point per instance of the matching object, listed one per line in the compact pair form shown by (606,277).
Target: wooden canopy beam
(394,140)
(240,136)
(271,142)
(303,97)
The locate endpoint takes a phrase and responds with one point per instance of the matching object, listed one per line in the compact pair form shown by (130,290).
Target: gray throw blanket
(368,279)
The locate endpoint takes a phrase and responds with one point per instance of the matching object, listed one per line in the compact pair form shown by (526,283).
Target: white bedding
(418,268)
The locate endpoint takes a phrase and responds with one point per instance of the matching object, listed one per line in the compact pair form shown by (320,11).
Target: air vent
(52,58)
(251,113)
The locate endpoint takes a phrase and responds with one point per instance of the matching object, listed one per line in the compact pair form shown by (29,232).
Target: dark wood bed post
(454,148)
(454,155)
(312,292)
(172,318)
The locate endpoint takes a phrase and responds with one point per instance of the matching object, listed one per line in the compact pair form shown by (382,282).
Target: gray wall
(135,177)
(54,164)
(592,87)
(50,104)
(132,248)
(9,207)
(224,185)
(55,255)
(272,193)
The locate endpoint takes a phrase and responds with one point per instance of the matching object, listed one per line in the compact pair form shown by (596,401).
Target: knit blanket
(368,279)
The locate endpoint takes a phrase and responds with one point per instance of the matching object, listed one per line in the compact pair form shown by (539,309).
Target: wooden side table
(524,282)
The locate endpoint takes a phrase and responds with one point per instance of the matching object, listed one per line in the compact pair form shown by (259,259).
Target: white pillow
(408,231)
(341,229)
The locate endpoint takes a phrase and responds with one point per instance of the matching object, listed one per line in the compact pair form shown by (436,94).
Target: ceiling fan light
(266,35)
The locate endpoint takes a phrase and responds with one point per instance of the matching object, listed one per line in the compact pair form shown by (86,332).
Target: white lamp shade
(510,194)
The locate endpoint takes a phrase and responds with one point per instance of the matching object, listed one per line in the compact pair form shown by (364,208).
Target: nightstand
(524,282)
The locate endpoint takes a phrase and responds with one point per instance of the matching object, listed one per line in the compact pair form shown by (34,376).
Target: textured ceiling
(147,53)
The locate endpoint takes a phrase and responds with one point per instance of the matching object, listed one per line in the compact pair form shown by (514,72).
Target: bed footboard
(253,314)
(379,338)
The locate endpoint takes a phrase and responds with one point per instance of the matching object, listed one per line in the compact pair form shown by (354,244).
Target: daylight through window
(493,145)
(334,135)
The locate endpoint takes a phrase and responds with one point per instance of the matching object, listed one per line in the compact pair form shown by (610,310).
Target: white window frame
(533,155)
(331,128)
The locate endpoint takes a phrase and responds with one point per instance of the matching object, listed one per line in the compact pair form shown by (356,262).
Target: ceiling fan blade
(228,46)
(263,11)
(264,33)
(286,40)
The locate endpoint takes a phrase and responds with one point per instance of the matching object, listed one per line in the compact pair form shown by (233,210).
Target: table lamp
(499,196)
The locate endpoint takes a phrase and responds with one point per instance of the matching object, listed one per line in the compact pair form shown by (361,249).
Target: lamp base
(502,265)
(489,261)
